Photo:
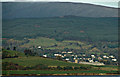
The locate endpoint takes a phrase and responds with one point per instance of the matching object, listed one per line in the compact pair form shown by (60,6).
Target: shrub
(59,68)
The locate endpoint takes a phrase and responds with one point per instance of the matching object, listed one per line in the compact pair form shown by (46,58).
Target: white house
(57,55)
(104,56)
(91,61)
(84,55)
(111,56)
(63,52)
(39,47)
(44,55)
(69,52)
(72,55)
(93,56)
(75,55)
(67,59)
(114,59)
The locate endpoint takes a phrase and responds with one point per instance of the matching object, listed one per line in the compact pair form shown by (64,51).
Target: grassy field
(48,43)
(33,61)
(53,72)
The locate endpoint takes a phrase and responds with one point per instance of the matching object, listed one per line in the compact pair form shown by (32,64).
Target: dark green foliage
(68,68)
(85,68)
(29,52)
(11,54)
(59,68)
(72,28)
(14,48)
(76,68)
(40,67)
(59,57)
(11,66)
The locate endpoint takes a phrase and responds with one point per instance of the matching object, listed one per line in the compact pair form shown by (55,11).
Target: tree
(8,48)
(59,68)
(76,68)
(68,68)
(41,67)
(29,52)
(14,48)
(59,57)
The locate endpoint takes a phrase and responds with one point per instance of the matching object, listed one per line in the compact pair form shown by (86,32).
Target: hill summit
(53,9)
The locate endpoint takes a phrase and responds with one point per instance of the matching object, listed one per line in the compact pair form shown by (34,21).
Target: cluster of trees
(6,54)
(66,28)
(29,52)
(63,68)
(11,66)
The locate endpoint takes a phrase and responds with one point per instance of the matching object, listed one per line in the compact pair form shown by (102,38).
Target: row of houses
(83,59)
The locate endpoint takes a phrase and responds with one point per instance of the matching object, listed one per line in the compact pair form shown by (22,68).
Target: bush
(11,66)
(76,68)
(68,68)
(41,67)
(59,68)
(11,54)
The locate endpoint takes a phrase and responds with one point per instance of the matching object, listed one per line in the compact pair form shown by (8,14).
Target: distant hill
(65,28)
(53,9)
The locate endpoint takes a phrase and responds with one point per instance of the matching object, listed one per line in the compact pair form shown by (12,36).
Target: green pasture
(53,72)
(33,61)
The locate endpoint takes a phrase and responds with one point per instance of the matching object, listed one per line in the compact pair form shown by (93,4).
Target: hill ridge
(53,9)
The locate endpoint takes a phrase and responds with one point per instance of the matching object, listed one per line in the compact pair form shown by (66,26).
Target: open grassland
(48,43)
(33,61)
(38,72)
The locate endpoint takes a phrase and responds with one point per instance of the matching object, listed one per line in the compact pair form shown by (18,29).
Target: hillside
(52,9)
(32,61)
(39,65)
(70,28)
(71,49)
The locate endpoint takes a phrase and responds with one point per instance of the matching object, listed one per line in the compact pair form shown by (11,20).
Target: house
(104,56)
(99,58)
(64,55)
(39,47)
(67,59)
(57,55)
(76,56)
(83,55)
(90,61)
(80,58)
(63,52)
(76,61)
(93,56)
(44,55)
(72,55)
(88,58)
(114,59)
(69,52)
(111,56)
(93,63)
(84,58)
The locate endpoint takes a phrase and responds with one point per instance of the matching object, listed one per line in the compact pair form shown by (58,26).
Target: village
(81,58)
